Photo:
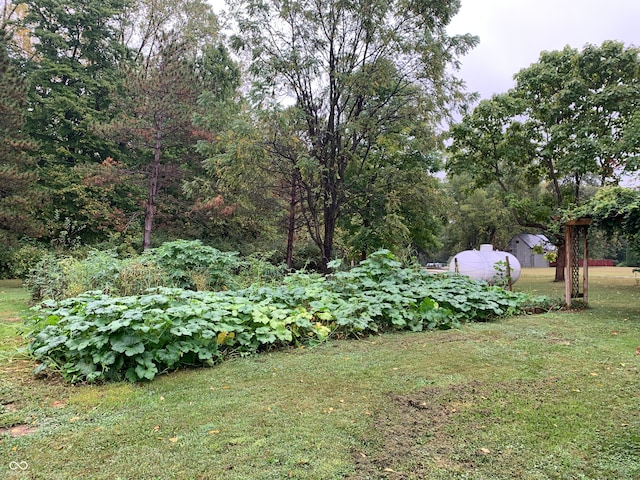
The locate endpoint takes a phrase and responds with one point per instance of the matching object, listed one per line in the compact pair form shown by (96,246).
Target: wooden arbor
(576,230)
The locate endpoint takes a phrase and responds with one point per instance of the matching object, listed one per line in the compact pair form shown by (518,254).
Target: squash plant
(95,337)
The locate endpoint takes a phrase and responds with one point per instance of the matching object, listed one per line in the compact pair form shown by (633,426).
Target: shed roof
(531,240)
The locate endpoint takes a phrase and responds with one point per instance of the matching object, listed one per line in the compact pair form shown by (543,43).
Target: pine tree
(18,197)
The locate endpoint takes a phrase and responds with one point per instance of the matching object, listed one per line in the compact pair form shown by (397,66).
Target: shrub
(138,275)
(47,279)
(23,259)
(190,264)
(57,277)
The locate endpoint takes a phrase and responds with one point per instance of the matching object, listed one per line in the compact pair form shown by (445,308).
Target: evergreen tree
(19,199)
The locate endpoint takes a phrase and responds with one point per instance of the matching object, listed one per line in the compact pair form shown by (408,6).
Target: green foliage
(476,216)
(355,106)
(96,337)
(24,259)
(20,196)
(72,70)
(138,275)
(58,277)
(184,264)
(615,211)
(568,127)
(190,264)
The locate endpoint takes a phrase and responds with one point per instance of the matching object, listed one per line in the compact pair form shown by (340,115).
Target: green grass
(13,304)
(531,397)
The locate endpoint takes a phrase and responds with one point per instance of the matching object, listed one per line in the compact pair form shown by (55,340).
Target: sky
(514,32)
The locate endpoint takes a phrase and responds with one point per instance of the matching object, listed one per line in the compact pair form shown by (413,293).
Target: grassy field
(550,396)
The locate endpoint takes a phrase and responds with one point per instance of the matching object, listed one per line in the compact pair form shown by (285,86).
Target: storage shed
(521,246)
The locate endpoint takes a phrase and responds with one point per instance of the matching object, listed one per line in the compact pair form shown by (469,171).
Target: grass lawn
(550,396)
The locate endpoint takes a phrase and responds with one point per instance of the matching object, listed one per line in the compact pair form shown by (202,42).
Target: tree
(178,69)
(615,210)
(355,70)
(20,199)
(477,216)
(248,186)
(72,71)
(397,201)
(569,125)
(156,113)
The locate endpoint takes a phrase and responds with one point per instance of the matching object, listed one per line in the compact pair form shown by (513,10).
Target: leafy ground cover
(97,337)
(532,396)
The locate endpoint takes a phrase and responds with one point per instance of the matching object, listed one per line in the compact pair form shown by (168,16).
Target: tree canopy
(568,127)
(356,71)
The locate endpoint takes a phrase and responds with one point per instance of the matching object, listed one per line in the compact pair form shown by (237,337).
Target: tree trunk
(327,244)
(560,262)
(292,220)
(153,189)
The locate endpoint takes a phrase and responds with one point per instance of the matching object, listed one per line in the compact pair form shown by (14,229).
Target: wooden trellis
(575,231)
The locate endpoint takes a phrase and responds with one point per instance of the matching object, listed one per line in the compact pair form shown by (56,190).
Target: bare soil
(419,431)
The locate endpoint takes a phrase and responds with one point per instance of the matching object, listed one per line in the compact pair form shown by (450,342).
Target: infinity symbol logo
(18,465)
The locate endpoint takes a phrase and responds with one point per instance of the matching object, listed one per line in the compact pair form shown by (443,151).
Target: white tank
(485,264)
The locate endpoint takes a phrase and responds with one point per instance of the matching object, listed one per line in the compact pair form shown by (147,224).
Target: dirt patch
(427,429)
(9,406)
(18,430)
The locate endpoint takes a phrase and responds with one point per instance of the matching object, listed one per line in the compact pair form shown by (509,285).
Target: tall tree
(351,68)
(477,216)
(568,125)
(177,60)
(20,199)
(71,71)
(156,114)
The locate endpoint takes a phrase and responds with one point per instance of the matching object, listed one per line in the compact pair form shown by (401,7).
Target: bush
(184,264)
(138,275)
(190,264)
(47,279)
(24,259)
(57,277)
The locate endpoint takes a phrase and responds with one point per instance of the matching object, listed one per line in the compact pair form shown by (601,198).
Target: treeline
(312,131)
(135,122)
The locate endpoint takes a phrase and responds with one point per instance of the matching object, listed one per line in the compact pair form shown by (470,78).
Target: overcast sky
(514,32)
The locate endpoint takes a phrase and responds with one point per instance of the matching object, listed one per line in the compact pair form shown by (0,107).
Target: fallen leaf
(484,451)
(74,419)
(594,374)
(389,470)
(214,432)
(638,351)
(156,428)
(173,439)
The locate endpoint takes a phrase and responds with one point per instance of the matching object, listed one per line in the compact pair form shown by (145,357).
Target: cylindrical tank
(485,264)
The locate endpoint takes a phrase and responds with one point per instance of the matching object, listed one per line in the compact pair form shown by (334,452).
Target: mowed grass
(555,395)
